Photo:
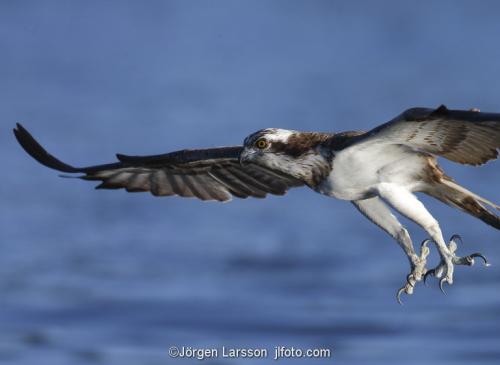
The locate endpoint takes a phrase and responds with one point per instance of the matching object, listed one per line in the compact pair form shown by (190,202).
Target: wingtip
(20,133)
(18,129)
(36,151)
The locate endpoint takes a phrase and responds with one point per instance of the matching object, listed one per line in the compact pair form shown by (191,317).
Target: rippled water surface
(106,277)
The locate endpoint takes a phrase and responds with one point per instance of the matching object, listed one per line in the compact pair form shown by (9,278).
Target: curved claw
(398,295)
(424,250)
(452,245)
(408,278)
(457,237)
(441,284)
(425,242)
(477,254)
(431,272)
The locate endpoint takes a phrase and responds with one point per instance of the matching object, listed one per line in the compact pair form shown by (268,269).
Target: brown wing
(467,137)
(208,174)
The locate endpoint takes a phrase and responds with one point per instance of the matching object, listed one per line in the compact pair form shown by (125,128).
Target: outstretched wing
(208,174)
(467,137)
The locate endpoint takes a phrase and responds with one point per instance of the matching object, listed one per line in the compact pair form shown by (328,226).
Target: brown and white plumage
(376,170)
(207,174)
(467,137)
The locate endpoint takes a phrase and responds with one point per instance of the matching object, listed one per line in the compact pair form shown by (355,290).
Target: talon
(398,295)
(444,271)
(477,254)
(457,237)
(466,260)
(425,242)
(440,270)
(410,280)
(452,245)
(424,250)
(441,284)
(431,272)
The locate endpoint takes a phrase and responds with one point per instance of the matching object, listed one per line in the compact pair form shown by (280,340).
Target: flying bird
(377,171)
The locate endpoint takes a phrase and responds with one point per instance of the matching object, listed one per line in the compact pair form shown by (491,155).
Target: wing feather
(213,189)
(239,187)
(207,174)
(253,184)
(234,188)
(466,137)
(138,182)
(160,186)
(196,190)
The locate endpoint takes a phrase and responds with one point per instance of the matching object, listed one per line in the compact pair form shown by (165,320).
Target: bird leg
(417,272)
(376,210)
(449,259)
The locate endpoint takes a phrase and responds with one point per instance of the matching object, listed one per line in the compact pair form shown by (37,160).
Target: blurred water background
(106,277)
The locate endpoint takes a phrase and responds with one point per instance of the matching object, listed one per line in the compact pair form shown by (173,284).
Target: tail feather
(455,186)
(457,196)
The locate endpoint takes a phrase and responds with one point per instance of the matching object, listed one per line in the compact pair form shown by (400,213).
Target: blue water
(106,277)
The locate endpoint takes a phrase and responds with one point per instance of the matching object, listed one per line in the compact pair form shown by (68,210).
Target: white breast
(357,171)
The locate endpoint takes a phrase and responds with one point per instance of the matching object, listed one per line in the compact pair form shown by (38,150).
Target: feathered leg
(407,204)
(380,214)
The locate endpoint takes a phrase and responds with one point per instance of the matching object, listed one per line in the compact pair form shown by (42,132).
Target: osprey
(375,170)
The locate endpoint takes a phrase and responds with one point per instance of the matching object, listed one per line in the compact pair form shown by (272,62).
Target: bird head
(265,146)
(288,151)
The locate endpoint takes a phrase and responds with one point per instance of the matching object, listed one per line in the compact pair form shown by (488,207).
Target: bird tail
(449,192)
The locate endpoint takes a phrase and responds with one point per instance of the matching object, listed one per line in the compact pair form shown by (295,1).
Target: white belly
(356,173)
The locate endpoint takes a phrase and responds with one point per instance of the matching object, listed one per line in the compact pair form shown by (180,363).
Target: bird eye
(261,143)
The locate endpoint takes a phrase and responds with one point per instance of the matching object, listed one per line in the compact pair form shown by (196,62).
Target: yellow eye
(261,143)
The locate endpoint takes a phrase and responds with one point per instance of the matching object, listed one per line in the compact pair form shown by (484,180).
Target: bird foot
(444,271)
(417,273)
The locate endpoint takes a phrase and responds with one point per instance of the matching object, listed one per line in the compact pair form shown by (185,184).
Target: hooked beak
(244,157)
